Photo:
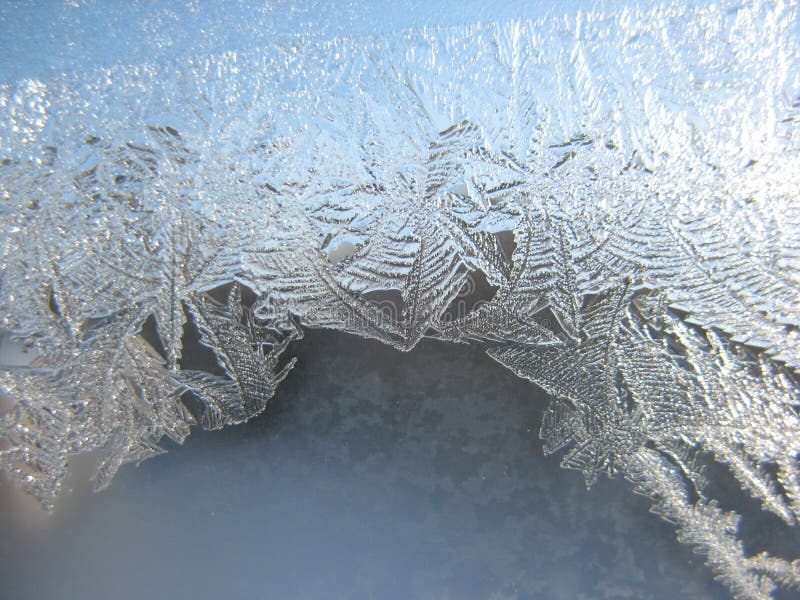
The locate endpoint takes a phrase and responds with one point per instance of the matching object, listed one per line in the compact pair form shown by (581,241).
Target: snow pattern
(619,193)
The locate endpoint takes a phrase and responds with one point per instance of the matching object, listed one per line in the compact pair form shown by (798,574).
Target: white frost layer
(623,185)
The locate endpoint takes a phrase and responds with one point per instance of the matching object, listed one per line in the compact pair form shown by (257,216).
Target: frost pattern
(623,188)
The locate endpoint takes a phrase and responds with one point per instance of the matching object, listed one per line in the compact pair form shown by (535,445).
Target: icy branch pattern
(619,192)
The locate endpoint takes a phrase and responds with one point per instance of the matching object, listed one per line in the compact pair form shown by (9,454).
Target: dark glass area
(372,474)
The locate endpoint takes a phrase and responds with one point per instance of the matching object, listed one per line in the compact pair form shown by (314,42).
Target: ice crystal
(623,187)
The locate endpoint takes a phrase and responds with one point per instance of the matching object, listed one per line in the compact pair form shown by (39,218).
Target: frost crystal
(623,189)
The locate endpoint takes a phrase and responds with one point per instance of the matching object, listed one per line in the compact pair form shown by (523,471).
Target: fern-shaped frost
(620,190)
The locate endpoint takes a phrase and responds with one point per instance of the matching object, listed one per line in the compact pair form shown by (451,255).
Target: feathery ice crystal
(625,187)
